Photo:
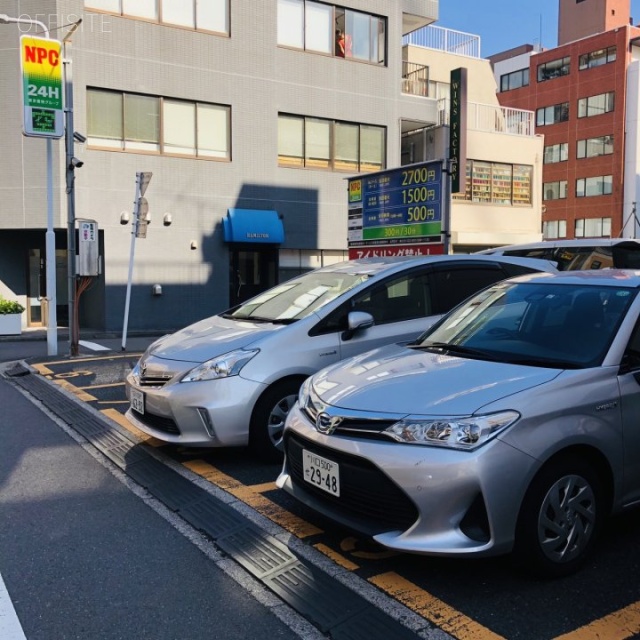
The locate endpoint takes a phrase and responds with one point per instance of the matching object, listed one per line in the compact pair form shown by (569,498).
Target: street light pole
(50,238)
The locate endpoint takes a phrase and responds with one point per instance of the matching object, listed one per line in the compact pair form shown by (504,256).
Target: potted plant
(10,317)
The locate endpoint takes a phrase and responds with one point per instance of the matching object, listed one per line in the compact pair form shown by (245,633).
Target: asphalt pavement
(85,553)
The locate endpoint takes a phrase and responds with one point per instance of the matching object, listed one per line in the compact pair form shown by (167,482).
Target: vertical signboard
(396,212)
(42,87)
(458,129)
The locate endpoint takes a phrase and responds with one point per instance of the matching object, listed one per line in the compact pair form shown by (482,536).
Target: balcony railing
(493,118)
(458,42)
(415,81)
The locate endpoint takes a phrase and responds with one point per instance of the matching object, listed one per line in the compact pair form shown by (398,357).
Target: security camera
(75,163)
(166,220)
(124,217)
(78,137)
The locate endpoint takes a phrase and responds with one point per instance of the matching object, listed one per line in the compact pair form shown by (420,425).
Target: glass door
(253,271)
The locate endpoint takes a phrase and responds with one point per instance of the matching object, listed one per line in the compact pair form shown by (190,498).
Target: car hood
(211,337)
(404,381)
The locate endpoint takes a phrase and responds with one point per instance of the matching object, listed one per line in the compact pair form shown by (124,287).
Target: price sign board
(42,87)
(398,206)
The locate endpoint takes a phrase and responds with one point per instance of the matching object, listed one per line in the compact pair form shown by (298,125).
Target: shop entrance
(252,271)
(37,304)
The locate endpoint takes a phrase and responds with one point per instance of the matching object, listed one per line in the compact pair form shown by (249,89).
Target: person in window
(343,44)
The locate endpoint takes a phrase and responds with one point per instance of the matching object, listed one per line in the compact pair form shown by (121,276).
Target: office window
(514,80)
(553,69)
(593,228)
(595,105)
(553,114)
(554,190)
(593,147)
(131,122)
(333,30)
(596,186)
(318,143)
(497,183)
(212,15)
(554,229)
(597,58)
(556,153)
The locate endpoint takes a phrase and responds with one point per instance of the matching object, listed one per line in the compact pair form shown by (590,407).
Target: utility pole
(71,164)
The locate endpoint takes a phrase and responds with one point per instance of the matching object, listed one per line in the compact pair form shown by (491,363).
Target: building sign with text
(398,211)
(458,130)
(42,87)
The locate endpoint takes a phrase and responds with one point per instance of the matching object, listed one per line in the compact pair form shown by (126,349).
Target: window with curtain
(132,122)
(180,12)
(291,23)
(319,34)
(326,144)
(141,8)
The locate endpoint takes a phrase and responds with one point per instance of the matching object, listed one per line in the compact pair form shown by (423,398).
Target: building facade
(585,96)
(249,116)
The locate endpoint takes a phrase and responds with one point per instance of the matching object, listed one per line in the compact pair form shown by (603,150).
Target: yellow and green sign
(42,87)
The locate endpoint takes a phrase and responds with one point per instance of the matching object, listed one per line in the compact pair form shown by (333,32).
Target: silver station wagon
(231,379)
(511,425)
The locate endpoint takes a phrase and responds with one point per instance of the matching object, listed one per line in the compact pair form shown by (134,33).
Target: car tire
(267,420)
(560,518)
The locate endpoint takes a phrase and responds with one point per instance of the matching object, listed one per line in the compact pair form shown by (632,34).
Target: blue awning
(253,225)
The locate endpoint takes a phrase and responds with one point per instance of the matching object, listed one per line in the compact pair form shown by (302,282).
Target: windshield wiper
(454,348)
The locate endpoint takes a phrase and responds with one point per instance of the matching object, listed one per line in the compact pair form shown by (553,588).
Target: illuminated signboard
(41,64)
(398,206)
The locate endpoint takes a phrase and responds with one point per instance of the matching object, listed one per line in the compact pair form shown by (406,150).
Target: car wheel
(560,518)
(267,421)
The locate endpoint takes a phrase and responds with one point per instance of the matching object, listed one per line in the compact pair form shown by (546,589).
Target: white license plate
(137,400)
(321,473)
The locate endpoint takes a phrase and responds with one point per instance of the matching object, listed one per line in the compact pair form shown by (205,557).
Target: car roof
(391,264)
(566,244)
(596,277)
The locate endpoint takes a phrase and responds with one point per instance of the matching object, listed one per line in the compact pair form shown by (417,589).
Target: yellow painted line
(91,359)
(42,369)
(252,496)
(264,487)
(439,613)
(81,395)
(619,625)
(116,416)
(336,557)
(103,386)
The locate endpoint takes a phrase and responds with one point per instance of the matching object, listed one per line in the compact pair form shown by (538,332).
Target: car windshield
(533,323)
(297,298)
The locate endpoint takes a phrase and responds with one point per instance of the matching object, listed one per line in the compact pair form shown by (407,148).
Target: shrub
(10,306)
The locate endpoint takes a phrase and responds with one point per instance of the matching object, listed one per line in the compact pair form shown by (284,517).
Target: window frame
(589,103)
(507,78)
(583,184)
(592,59)
(553,69)
(559,113)
(553,151)
(561,187)
(586,143)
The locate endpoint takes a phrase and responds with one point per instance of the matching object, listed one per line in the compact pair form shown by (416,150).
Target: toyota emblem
(327,424)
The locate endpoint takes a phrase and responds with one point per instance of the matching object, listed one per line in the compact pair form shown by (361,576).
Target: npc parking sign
(42,87)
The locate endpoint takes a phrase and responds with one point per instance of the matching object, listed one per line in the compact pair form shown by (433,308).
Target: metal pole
(70,185)
(446,208)
(52,324)
(134,233)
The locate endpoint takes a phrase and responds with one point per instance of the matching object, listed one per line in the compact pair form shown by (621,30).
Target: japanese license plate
(320,472)
(137,400)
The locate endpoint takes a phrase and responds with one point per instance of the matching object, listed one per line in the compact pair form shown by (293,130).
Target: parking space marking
(42,369)
(619,625)
(116,416)
(94,346)
(247,494)
(433,609)
(103,386)
(336,557)
(76,391)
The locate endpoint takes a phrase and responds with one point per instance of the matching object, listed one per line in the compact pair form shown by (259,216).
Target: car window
(453,284)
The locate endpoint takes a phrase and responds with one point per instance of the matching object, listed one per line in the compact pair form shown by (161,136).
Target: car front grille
(166,425)
(153,381)
(367,495)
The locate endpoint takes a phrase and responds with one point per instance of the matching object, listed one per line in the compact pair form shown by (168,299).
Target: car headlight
(223,366)
(455,433)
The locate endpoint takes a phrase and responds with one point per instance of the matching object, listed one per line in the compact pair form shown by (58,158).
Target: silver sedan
(511,425)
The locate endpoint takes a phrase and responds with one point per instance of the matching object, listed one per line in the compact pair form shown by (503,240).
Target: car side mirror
(357,320)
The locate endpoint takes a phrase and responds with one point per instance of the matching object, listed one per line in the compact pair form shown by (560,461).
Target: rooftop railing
(433,37)
(493,118)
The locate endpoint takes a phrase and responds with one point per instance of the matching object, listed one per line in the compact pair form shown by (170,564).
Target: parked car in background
(231,379)
(511,425)
(569,255)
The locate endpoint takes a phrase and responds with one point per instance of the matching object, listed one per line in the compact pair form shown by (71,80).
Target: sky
(504,24)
